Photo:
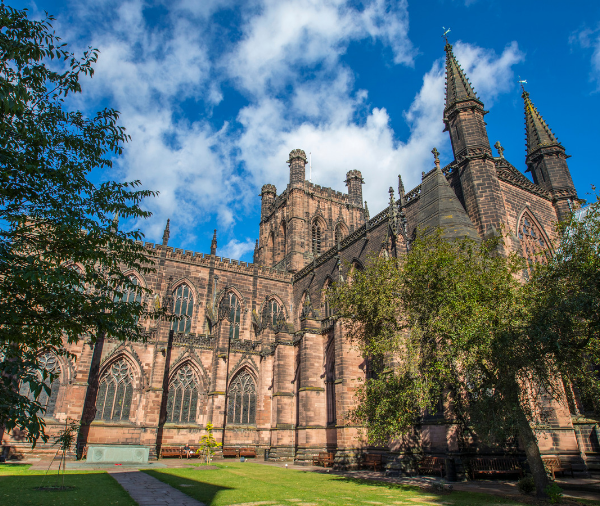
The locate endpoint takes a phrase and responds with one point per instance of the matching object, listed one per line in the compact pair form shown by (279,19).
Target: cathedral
(258,352)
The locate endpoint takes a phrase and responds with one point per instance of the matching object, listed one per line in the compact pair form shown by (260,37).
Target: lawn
(92,488)
(253,484)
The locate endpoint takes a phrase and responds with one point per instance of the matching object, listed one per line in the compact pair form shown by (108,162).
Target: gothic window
(115,393)
(330,384)
(316,239)
(533,245)
(183,306)
(132,294)
(49,363)
(273,314)
(231,309)
(182,402)
(241,408)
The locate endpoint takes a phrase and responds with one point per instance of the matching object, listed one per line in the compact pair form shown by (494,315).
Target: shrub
(526,485)
(554,493)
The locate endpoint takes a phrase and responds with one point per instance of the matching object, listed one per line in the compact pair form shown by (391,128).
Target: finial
(213,244)
(367,217)
(391,192)
(436,155)
(400,186)
(166,234)
(500,149)
(115,220)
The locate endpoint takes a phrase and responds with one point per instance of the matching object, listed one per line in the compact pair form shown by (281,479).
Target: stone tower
(546,159)
(306,220)
(463,118)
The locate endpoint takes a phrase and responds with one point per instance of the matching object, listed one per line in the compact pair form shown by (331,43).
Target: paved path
(148,491)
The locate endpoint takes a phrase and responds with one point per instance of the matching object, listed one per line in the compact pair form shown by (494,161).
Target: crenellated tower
(546,160)
(297,162)
(464,119)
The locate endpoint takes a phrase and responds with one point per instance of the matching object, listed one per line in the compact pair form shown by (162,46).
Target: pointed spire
(538,132)
(367,217)
(458,87)
(256,252)
(213,244)
(166,234)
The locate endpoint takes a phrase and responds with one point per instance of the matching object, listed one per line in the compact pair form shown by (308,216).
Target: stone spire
(256,252)
(458,87)
(213,244)
(166,234)
(538,132)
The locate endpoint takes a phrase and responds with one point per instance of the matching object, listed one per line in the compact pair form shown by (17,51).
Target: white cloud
(235,249)
(589,39)
(301,34)
(338,143)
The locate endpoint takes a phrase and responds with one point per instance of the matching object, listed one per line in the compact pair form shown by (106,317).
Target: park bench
(324,459)
(374,460)
(495,466)
(555,465)
(229,451)
(248,452)
(431,465)
(171,451)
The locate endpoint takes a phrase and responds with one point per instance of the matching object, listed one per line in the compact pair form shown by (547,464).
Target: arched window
(330,384)
(273,314)
(182,402)
(241,408)
(533,245)
(183,306)
(316,239)
(231,309)
(132,294)
(48,362)
(115,393)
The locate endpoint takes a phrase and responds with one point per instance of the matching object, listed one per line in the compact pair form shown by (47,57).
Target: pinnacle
(458,86)
(538,133)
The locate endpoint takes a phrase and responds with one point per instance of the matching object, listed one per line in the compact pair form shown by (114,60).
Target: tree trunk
(536,464)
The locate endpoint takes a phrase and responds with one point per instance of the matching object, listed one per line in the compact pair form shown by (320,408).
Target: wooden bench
(374,460)
(324,459)
(495,466)
(248,452)
(555,465)
(171,451)
(230,452)
(431,465)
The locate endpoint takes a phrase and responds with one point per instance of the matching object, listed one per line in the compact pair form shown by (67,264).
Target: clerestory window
(316,239)
(183,305)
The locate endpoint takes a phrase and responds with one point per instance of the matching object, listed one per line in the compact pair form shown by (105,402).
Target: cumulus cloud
(236,249)
(321,120)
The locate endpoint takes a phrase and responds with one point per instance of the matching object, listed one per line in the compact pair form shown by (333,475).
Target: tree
(454,319)
(208,443)
(62,253)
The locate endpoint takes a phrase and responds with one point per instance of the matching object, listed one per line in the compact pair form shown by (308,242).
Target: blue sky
(216,93)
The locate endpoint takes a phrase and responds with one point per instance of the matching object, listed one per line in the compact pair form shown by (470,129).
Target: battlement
(220,263)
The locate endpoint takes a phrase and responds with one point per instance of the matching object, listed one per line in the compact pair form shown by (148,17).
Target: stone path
(148,491)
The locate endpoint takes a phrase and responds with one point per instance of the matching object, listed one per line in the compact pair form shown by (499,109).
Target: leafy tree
(208,443)
(62,254)
(455,320)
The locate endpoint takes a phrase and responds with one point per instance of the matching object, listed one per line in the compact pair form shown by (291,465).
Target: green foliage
(62,256)
(526,485)
(554,492)
(208,443)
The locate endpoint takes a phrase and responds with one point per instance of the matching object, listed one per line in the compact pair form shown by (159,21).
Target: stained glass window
(231,309)
(48,362)
(183,305)
(241,408)
(115,393)
(182,401)
(533,245)
(316,239)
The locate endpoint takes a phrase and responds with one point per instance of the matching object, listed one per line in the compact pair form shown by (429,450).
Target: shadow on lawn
(204,492)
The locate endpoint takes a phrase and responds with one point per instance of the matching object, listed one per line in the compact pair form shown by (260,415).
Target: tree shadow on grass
(203,492)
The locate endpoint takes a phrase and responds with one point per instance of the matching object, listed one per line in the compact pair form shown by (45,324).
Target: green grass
(92,488)
(256,484)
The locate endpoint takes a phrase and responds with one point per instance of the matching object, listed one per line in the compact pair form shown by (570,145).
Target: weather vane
(522,82)
(446,32)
